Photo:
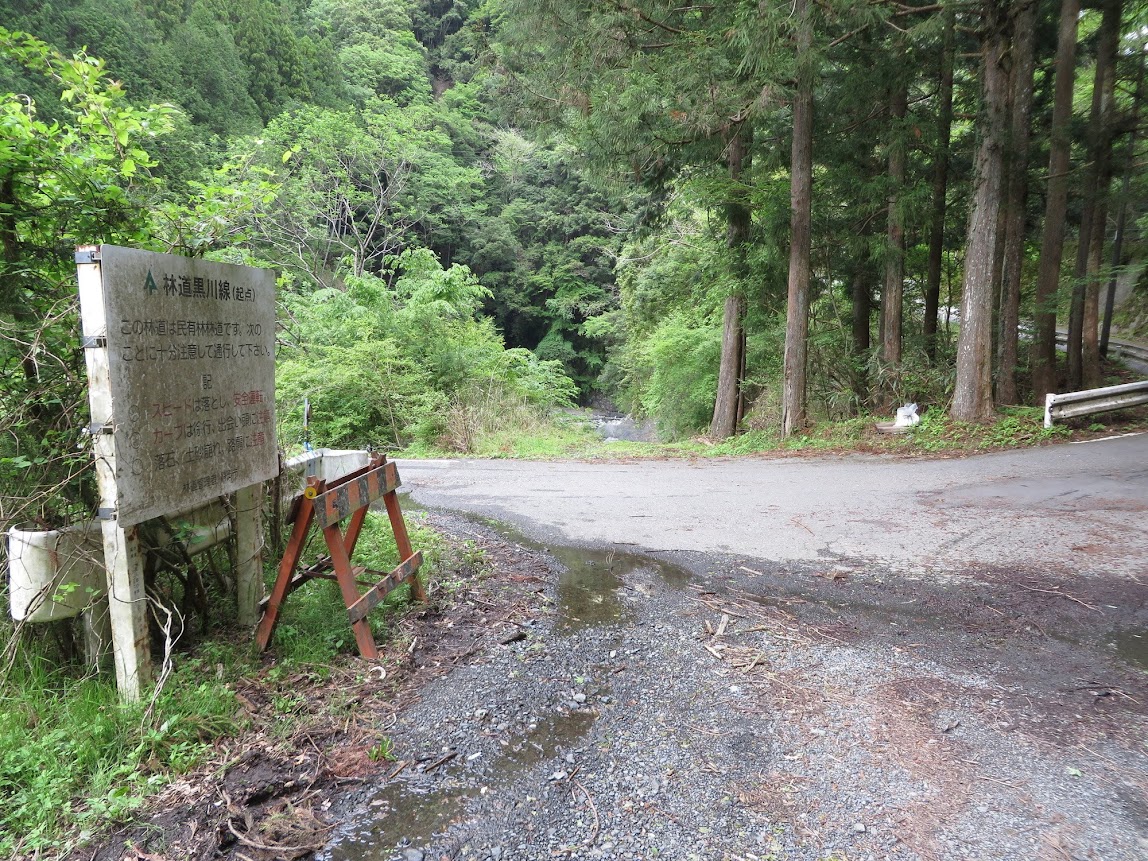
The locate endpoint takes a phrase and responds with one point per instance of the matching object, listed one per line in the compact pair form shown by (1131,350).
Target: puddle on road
(588,590)
(1132,646)
(553,735)
(588,587)
(406,816)
(410,818)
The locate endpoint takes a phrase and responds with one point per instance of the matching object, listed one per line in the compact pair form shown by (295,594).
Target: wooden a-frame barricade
(325,504)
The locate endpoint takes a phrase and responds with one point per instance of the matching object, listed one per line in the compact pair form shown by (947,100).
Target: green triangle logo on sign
(149,284)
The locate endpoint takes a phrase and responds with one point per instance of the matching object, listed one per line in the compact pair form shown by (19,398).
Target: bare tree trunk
(1109,38)
(1090,320)
(862,299)
(892,296)
(1118,240)
(973,396)
(725,407)
(998,254)
(940,189)
(1020,98)
(793,415)
(1052,241)
(738,222)
(1093,215)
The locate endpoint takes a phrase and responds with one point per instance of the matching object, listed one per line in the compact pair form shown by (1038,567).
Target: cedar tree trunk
(1020,98)
(973,396)
(738,220)
(940,190)
(1106,48)
(892,296)
(1056,202)
(800,205)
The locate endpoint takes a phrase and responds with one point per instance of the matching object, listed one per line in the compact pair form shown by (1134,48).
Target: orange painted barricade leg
(325,504)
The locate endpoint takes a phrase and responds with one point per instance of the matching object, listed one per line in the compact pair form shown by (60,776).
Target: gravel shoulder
(707,706)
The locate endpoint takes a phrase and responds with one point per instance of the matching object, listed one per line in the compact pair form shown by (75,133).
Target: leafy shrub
(386,366)
(675,372)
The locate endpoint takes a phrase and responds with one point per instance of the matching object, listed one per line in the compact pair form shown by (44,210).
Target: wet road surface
(1070,508)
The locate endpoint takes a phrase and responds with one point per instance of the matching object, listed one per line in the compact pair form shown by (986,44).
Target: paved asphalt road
(1068,508)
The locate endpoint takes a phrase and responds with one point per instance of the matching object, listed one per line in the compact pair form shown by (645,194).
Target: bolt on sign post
(181,384)
(325,504)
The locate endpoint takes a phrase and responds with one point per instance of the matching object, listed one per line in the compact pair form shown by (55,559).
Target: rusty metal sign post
(326,504)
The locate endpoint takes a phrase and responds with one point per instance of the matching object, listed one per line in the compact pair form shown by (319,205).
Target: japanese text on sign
(191,354)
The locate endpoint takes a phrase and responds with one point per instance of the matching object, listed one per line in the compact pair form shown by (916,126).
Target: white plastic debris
(907,416)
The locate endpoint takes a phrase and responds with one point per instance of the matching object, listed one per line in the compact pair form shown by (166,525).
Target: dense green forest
(722,216)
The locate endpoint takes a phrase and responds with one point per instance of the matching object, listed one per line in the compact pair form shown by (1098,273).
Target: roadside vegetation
(75,761)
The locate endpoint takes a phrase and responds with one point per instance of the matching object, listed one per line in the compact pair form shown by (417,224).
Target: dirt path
(727,707)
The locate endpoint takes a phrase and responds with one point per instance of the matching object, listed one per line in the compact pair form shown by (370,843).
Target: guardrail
(1116,349)
(1094,401)
(1120,350)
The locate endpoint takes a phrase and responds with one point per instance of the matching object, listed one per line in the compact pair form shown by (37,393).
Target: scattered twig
(140,855)
(649,805)
(447,757)
(722,625)
(1054,844)
(1089,685)
(997,780)
(290,851)
(593,809)
(703,730)
(1061,594)
(796,521)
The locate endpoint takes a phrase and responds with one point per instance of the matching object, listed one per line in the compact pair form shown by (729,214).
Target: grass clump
(73,758)
(1016,427)
(313,628)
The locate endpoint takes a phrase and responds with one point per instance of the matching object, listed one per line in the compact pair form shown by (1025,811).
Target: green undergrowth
(74,760)
(937,433)
(528,435)
(313,629)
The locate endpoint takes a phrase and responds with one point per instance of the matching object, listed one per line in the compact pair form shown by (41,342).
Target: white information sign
(191,358)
